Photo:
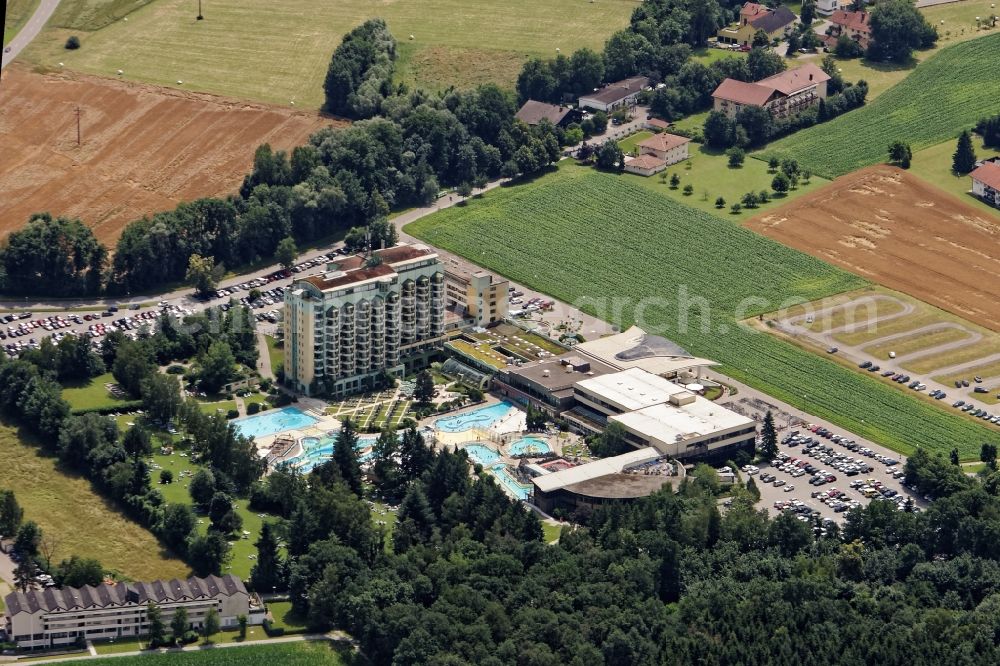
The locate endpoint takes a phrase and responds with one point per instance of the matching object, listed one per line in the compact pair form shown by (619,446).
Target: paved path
(330,636)
(29,31)
(264,357)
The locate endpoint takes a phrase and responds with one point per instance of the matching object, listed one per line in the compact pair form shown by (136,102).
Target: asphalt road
(30,30)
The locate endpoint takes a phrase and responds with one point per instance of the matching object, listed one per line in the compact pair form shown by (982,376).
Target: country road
(30,30)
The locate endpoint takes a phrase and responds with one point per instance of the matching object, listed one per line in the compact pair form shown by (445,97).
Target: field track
(144,148)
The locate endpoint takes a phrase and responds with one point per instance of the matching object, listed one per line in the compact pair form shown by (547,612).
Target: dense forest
(466,579)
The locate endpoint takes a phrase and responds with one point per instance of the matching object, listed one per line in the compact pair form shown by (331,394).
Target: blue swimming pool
(529,446)
(519,490)
(273,421)
(318,450)
(483,417)
(483,455)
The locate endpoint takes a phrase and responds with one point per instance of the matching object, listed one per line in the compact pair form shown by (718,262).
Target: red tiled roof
(852,20)
(663,141)
(645,162)
(656,122)
(988,174)
(752,9)
(793,80)
(743,93)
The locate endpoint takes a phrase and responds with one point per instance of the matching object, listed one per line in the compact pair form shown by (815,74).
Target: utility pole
(200,17)
(78,127)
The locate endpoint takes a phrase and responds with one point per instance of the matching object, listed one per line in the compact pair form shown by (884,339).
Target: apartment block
(54,617)
(361,317)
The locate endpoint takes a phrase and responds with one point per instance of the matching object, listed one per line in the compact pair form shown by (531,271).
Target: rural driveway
(30,30)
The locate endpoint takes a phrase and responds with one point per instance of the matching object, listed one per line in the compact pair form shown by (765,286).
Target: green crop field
(610,247)
(279,51)
(944,95)
(300,653)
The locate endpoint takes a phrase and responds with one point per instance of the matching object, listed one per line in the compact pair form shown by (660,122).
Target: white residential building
(54,617)
(361,317)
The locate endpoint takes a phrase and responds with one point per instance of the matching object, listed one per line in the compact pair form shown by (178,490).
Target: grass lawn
(258,398)
(92,394)
(244,48)
(18,13)
(551,532)
(630,144)
(297,653)
(934,166)
(222,406)
(83,522)
(240,562)
(693,123)
(686,254)
(286,618)
(712,177)
(707,56)
(119,646)
(385,518)
(275,351)
(959,78)
(917,342)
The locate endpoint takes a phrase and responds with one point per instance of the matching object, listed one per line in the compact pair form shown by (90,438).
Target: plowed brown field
(144,148)
(894,229)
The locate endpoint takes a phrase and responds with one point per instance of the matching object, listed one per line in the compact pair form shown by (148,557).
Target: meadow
(80,521)
(18,13)
(301,653)
(944,95)
(279,51)
(691,277)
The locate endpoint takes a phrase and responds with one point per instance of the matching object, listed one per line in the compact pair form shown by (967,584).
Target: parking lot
(829,473)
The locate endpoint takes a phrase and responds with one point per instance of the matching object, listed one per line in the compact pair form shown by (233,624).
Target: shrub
(688,190)
(253,408)
(176,370)
(189,637)
(720,203)
(166,477)
(232,414)
(73,43)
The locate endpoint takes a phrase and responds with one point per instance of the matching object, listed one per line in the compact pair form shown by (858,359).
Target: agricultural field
(961,81)
(711,176)
(81,521)
(890,227)
(243,49)
(18,13)
(955,22)
(134,138)
(299,653)
(589,251)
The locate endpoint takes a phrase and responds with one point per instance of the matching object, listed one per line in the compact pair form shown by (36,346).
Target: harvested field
(892,228)
(144,148)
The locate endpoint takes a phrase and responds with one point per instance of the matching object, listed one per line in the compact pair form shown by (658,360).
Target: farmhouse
(533,112)
(60,616)
(776,23)
(644,165)
(615,95)
(855,25)
(986,182)
(785,94)
(668,147)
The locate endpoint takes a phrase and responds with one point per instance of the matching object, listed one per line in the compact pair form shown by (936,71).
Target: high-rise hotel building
(345,326)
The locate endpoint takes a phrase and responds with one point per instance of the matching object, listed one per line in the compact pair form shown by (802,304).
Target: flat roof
(594,470)
(551,373)
(621,486)
(632,389)
(676,423)
(635,348)
(352,270)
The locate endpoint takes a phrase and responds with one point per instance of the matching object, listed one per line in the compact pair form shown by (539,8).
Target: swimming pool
(529,446)
(273,421)
(483,455)
(317,450)
(483,417)
(519,490)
